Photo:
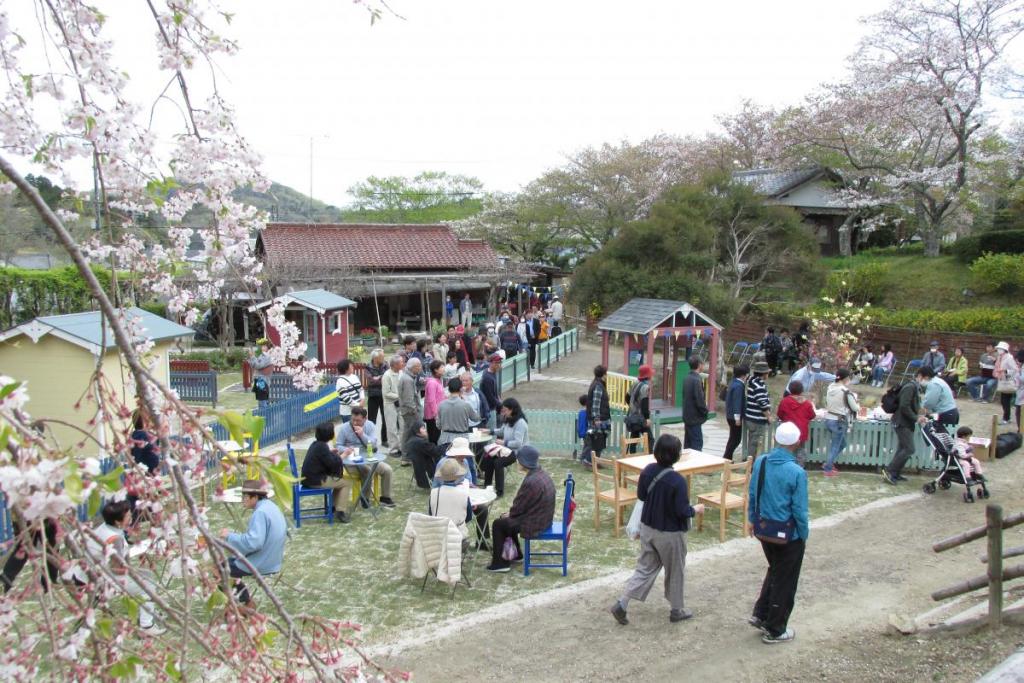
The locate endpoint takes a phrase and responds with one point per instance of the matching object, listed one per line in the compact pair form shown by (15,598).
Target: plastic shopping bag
(633,526)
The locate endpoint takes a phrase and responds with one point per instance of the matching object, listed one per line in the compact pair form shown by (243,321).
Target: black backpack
(891,398)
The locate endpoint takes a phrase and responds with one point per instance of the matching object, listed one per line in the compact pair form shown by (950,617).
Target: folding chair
(416,523)
(910,370)
(737,352)
(299,492)
(726,501)
(618,496)
(558,531)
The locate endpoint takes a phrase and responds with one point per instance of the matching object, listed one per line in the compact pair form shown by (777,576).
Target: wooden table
(691,462)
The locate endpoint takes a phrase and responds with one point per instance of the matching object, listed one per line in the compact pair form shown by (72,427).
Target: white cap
(787,434)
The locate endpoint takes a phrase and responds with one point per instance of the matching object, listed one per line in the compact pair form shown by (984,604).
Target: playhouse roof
(319,300)
(85,330)
(640,316)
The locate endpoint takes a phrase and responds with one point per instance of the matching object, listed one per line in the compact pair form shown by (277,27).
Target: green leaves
(73,483)
(216,600)
(281,479)
(124,668)
(9,389)
(111,481)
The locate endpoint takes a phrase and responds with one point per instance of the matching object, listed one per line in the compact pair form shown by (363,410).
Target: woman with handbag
(638,419)
(777,509)
(1006,373)
(513,434)
(664,520)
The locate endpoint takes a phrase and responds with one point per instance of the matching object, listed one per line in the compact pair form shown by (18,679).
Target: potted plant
(385,334)
(368,336)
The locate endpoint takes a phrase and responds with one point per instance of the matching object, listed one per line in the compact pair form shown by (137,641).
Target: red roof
(360,245)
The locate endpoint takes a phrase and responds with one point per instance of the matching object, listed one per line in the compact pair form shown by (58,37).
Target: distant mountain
(287,205)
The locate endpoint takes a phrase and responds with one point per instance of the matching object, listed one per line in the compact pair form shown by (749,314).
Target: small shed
(321,316)
(57,354)
(681,328)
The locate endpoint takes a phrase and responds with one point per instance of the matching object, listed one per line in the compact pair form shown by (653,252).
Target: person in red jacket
(799,410)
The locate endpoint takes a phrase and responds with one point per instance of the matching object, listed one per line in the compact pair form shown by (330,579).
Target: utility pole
(309,209)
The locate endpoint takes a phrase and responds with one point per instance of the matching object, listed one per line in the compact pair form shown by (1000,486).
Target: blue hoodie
(785,490)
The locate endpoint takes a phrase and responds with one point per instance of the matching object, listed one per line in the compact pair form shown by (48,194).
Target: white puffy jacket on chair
(431,543)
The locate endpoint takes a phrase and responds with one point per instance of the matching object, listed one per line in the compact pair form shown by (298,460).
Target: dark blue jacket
(735,399)
(667,505)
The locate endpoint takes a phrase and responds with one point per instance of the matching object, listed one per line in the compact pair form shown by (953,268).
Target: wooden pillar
(604,347)
(994,531)
(444,295)
(668,386)
(626,341)
(712,396)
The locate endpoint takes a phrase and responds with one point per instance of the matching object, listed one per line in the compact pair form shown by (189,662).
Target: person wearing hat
(532,510)
(778,491)
(262,544)
(757,410)
(423,454)
(1007,377)
(663,525)
(934,359)
(460,450)
(809,374)
(640,404)
(450,499)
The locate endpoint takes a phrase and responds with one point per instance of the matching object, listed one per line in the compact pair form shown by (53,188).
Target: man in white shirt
(392,419)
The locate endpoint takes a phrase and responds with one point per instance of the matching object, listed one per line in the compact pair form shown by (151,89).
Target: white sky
(498,90)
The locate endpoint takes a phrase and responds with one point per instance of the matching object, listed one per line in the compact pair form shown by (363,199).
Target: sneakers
(153,630)
(899,477)
(1004,422)
(830,473)
(758,624)
(784,637)
(387,503)
(681,615)
(342,516)
(619,612)
(888,477)
(499,568)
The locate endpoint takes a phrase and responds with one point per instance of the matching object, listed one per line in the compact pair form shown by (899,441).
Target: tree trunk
(932,242)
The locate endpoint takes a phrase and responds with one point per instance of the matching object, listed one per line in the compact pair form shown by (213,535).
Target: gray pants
(394,427)
(905,449)
(754,445)
(659,549)
(408,420)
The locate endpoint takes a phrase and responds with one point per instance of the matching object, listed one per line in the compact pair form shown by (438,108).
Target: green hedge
(219,360)
(1006,322)
(27,294)
(967,249)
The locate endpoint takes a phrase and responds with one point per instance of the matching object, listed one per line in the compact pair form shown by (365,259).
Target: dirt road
(858,570)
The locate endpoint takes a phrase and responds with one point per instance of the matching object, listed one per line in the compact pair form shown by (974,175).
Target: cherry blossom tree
(66,100)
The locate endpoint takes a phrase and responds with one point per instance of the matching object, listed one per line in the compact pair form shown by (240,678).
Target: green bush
(909,249)
(967,249)
(861,284)
(220,361)
(997,322)
(1002,273)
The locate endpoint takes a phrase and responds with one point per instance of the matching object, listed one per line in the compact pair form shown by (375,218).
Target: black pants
(778,592)
(950,418)
(1007,401)
(481,520)
(494,470)
(735,437)
(236,572)
(433,433)
(905,449)
(650,440)
(18,558)
(533,354)
(374,407)
(423,469)
(503,528)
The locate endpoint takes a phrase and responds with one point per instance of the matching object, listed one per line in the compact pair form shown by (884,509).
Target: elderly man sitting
(532,510)
(361,434)
(262,544)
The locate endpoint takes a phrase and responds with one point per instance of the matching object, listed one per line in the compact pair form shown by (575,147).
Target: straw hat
(460,447)
(255,486)
(451,470)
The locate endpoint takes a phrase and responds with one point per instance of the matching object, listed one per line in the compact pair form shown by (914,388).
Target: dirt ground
(858,570)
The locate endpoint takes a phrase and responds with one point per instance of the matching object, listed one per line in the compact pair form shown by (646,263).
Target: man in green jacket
(904,421)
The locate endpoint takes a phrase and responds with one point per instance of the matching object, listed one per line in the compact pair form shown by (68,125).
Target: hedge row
(967,249)
(1008,321)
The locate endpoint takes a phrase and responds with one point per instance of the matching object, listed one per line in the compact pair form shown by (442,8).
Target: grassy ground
(350,571)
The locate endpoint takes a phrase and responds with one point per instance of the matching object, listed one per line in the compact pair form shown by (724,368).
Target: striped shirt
(350,393)
(757,401)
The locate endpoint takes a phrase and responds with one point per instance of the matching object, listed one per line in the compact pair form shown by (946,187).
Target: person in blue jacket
(782,498)
(735,402)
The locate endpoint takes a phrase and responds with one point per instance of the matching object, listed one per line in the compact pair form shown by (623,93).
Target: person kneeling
(532,510)
(262,544)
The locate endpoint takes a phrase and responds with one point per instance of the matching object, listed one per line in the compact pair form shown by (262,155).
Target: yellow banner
(310,407)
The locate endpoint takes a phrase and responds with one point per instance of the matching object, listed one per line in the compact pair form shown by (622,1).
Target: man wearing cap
(532,510)
(757,410)
(809,374)
(778,491)
(934,359)
(262,544)
(695,407)
(640,403)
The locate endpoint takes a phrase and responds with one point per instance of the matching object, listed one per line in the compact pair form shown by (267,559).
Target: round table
(365,491)
(483,497)
(480,438)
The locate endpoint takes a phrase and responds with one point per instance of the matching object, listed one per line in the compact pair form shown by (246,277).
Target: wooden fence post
(994,522)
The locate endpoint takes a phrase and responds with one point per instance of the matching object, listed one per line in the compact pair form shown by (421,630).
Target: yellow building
(57,355)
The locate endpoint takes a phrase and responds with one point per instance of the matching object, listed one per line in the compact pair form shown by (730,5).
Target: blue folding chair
(558,531)
(911,370)
(738,349)
(299,492)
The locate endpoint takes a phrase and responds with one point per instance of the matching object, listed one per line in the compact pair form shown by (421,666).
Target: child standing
(582,427)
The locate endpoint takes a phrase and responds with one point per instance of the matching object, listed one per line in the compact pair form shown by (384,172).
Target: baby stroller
(954,470)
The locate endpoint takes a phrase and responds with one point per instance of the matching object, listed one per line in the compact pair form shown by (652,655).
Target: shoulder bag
(1008,384)
(770,530)
(633,525)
